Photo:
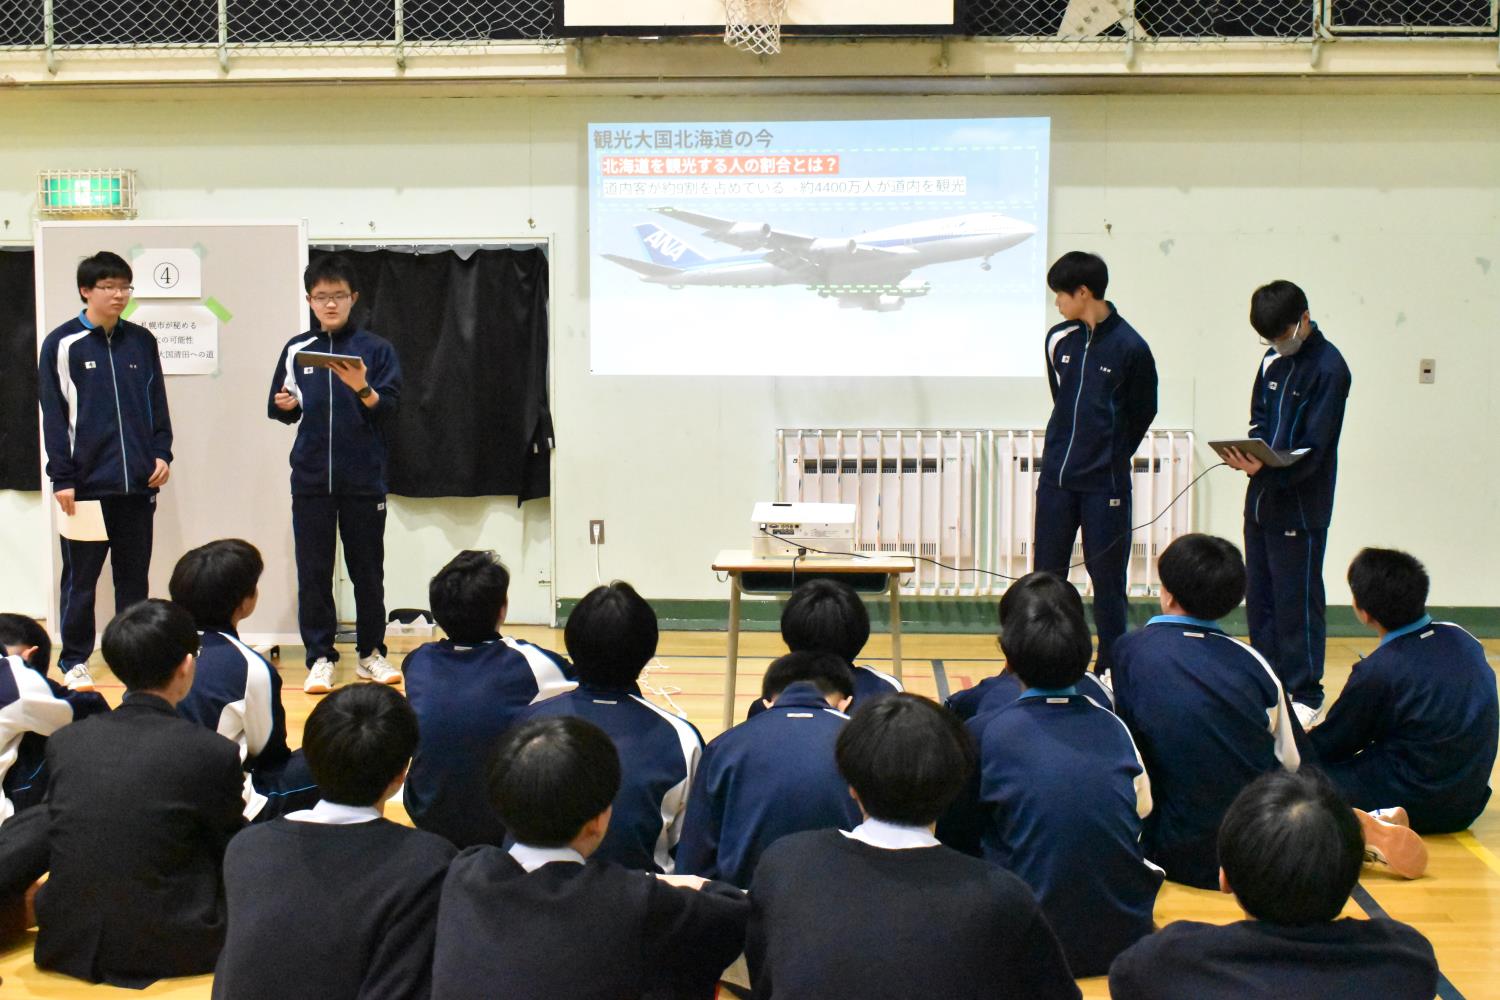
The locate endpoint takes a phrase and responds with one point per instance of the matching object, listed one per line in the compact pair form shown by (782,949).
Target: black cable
(989,572)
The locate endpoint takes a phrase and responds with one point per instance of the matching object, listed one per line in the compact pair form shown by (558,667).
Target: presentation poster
(846,248)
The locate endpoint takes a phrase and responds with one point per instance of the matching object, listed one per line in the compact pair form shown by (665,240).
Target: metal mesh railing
(1413,16)
(22,23)
(1104,20)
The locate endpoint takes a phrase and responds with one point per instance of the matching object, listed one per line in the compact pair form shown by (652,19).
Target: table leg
(896,625)
(731,664)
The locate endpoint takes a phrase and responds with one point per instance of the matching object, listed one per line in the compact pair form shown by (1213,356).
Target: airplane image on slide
(871,271)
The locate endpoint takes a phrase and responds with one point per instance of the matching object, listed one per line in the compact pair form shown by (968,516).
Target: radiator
(964,499)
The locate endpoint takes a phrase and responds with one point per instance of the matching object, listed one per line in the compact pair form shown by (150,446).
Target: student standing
(108,436)
(1103,382)
(338,464)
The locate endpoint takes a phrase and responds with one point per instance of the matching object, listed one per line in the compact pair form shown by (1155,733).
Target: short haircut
(23,630)
(213,580)
(357,740)
(829,671)
(611,635)
(1291,848)
(825,616)
(146,642)
(331,270)
(1038,588)
(1047,646)
(906,758)
(103,266)
(1077,269)
(550,776)
(1275,307)
(1204,573)
(1390,586)
(468,594)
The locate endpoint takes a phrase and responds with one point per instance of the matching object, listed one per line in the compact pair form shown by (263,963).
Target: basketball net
(754,25)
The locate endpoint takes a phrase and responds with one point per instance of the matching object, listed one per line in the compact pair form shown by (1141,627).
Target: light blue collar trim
(891,836)
(1066,692)
(1184,620)
(83,317)
(1415,626)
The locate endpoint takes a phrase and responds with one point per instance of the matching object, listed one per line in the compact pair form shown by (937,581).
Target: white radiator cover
(965,498)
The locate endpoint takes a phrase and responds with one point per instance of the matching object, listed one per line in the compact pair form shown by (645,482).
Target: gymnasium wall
(1384,208)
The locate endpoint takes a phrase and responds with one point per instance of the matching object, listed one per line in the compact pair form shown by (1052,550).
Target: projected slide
(818,248)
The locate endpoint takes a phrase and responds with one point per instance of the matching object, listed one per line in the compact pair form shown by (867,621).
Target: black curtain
(20,448)
(470,329)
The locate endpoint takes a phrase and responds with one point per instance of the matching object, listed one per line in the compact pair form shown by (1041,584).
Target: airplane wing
(785,249)
(642,267)
(745,235)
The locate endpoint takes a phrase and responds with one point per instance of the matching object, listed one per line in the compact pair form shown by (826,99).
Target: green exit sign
(86,193)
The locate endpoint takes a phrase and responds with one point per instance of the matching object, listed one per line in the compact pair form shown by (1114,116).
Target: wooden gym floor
(1457,905)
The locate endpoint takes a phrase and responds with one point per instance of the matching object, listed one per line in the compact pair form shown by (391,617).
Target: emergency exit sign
(86,193)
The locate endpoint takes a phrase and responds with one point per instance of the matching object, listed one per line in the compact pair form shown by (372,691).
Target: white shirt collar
(891,836)
(532,858)
(334,814)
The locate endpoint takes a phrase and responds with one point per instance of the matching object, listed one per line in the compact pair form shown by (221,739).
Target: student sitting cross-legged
(467,690)
(544,919)
(1290,851)
(141,805)
(235,691)
(1063,792)
(611,636)
(773,774)
(828,616)
(884,911)
(1416,726)
(336,902)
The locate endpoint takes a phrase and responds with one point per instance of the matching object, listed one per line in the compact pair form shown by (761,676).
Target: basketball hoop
(754,25)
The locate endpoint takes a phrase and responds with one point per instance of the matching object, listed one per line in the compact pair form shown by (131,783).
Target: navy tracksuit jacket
(1103,384)
(994,693)
(1297,402)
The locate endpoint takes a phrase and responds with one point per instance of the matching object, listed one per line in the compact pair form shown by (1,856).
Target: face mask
(1291,344)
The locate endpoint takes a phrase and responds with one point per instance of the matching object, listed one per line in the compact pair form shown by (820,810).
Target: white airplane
(869,271)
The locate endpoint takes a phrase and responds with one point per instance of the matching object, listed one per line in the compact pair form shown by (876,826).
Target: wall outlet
(1427,371)
(596,532)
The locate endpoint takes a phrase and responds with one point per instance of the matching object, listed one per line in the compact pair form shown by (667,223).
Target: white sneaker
(319,677)
(79,678)
(1307,715)
(377,668)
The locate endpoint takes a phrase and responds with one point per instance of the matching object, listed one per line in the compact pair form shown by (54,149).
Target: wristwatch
(365,392)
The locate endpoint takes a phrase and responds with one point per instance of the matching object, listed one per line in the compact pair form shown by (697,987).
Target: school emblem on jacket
(90,364)
(1065,360)
(1271,385)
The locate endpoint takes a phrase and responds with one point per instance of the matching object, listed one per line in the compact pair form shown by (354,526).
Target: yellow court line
(1474,847)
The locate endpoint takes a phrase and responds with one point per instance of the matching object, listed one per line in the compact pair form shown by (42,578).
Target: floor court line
(1446,990)
(1473,846)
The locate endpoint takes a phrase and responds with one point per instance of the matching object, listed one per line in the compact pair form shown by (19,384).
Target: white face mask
(1290,344)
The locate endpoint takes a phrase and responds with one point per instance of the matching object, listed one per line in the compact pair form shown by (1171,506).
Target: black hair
(906,757)
(146,642)
(102,266)
(1038,588)
(1291,848)
(331,269)
(357,741)
(1276,306)
(23,630)
(550,776)
(1077,269)
(1390,586)
(611,636)
(213,580)
(829,671)
(1206,575)
(468,594)
(1048,646)
(825,616)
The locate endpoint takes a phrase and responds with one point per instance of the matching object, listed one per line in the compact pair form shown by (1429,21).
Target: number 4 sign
(167,274)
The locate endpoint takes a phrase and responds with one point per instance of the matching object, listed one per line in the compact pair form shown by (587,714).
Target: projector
(780,529)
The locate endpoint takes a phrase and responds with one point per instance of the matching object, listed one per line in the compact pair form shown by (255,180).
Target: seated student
(1063,792)
(336,901)
(1206,710)
(828,616)
(771,775)
(32,706)
(141,806)
(235,691)
(467,690)
(1004,687)
(931,922)
(546,920)
(611,636)
(1291,853)
(1416,724)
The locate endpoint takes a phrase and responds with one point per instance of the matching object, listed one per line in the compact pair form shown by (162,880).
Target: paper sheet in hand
(1257,448)
(86,523)
(318,359)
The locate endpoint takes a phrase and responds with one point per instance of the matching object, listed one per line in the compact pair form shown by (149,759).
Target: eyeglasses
(327,300)
(115,289)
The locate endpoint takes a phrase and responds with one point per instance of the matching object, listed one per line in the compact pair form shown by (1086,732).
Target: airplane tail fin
(666,249)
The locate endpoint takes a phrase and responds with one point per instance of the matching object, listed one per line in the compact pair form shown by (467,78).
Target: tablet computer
(1257,448)
(318,359)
